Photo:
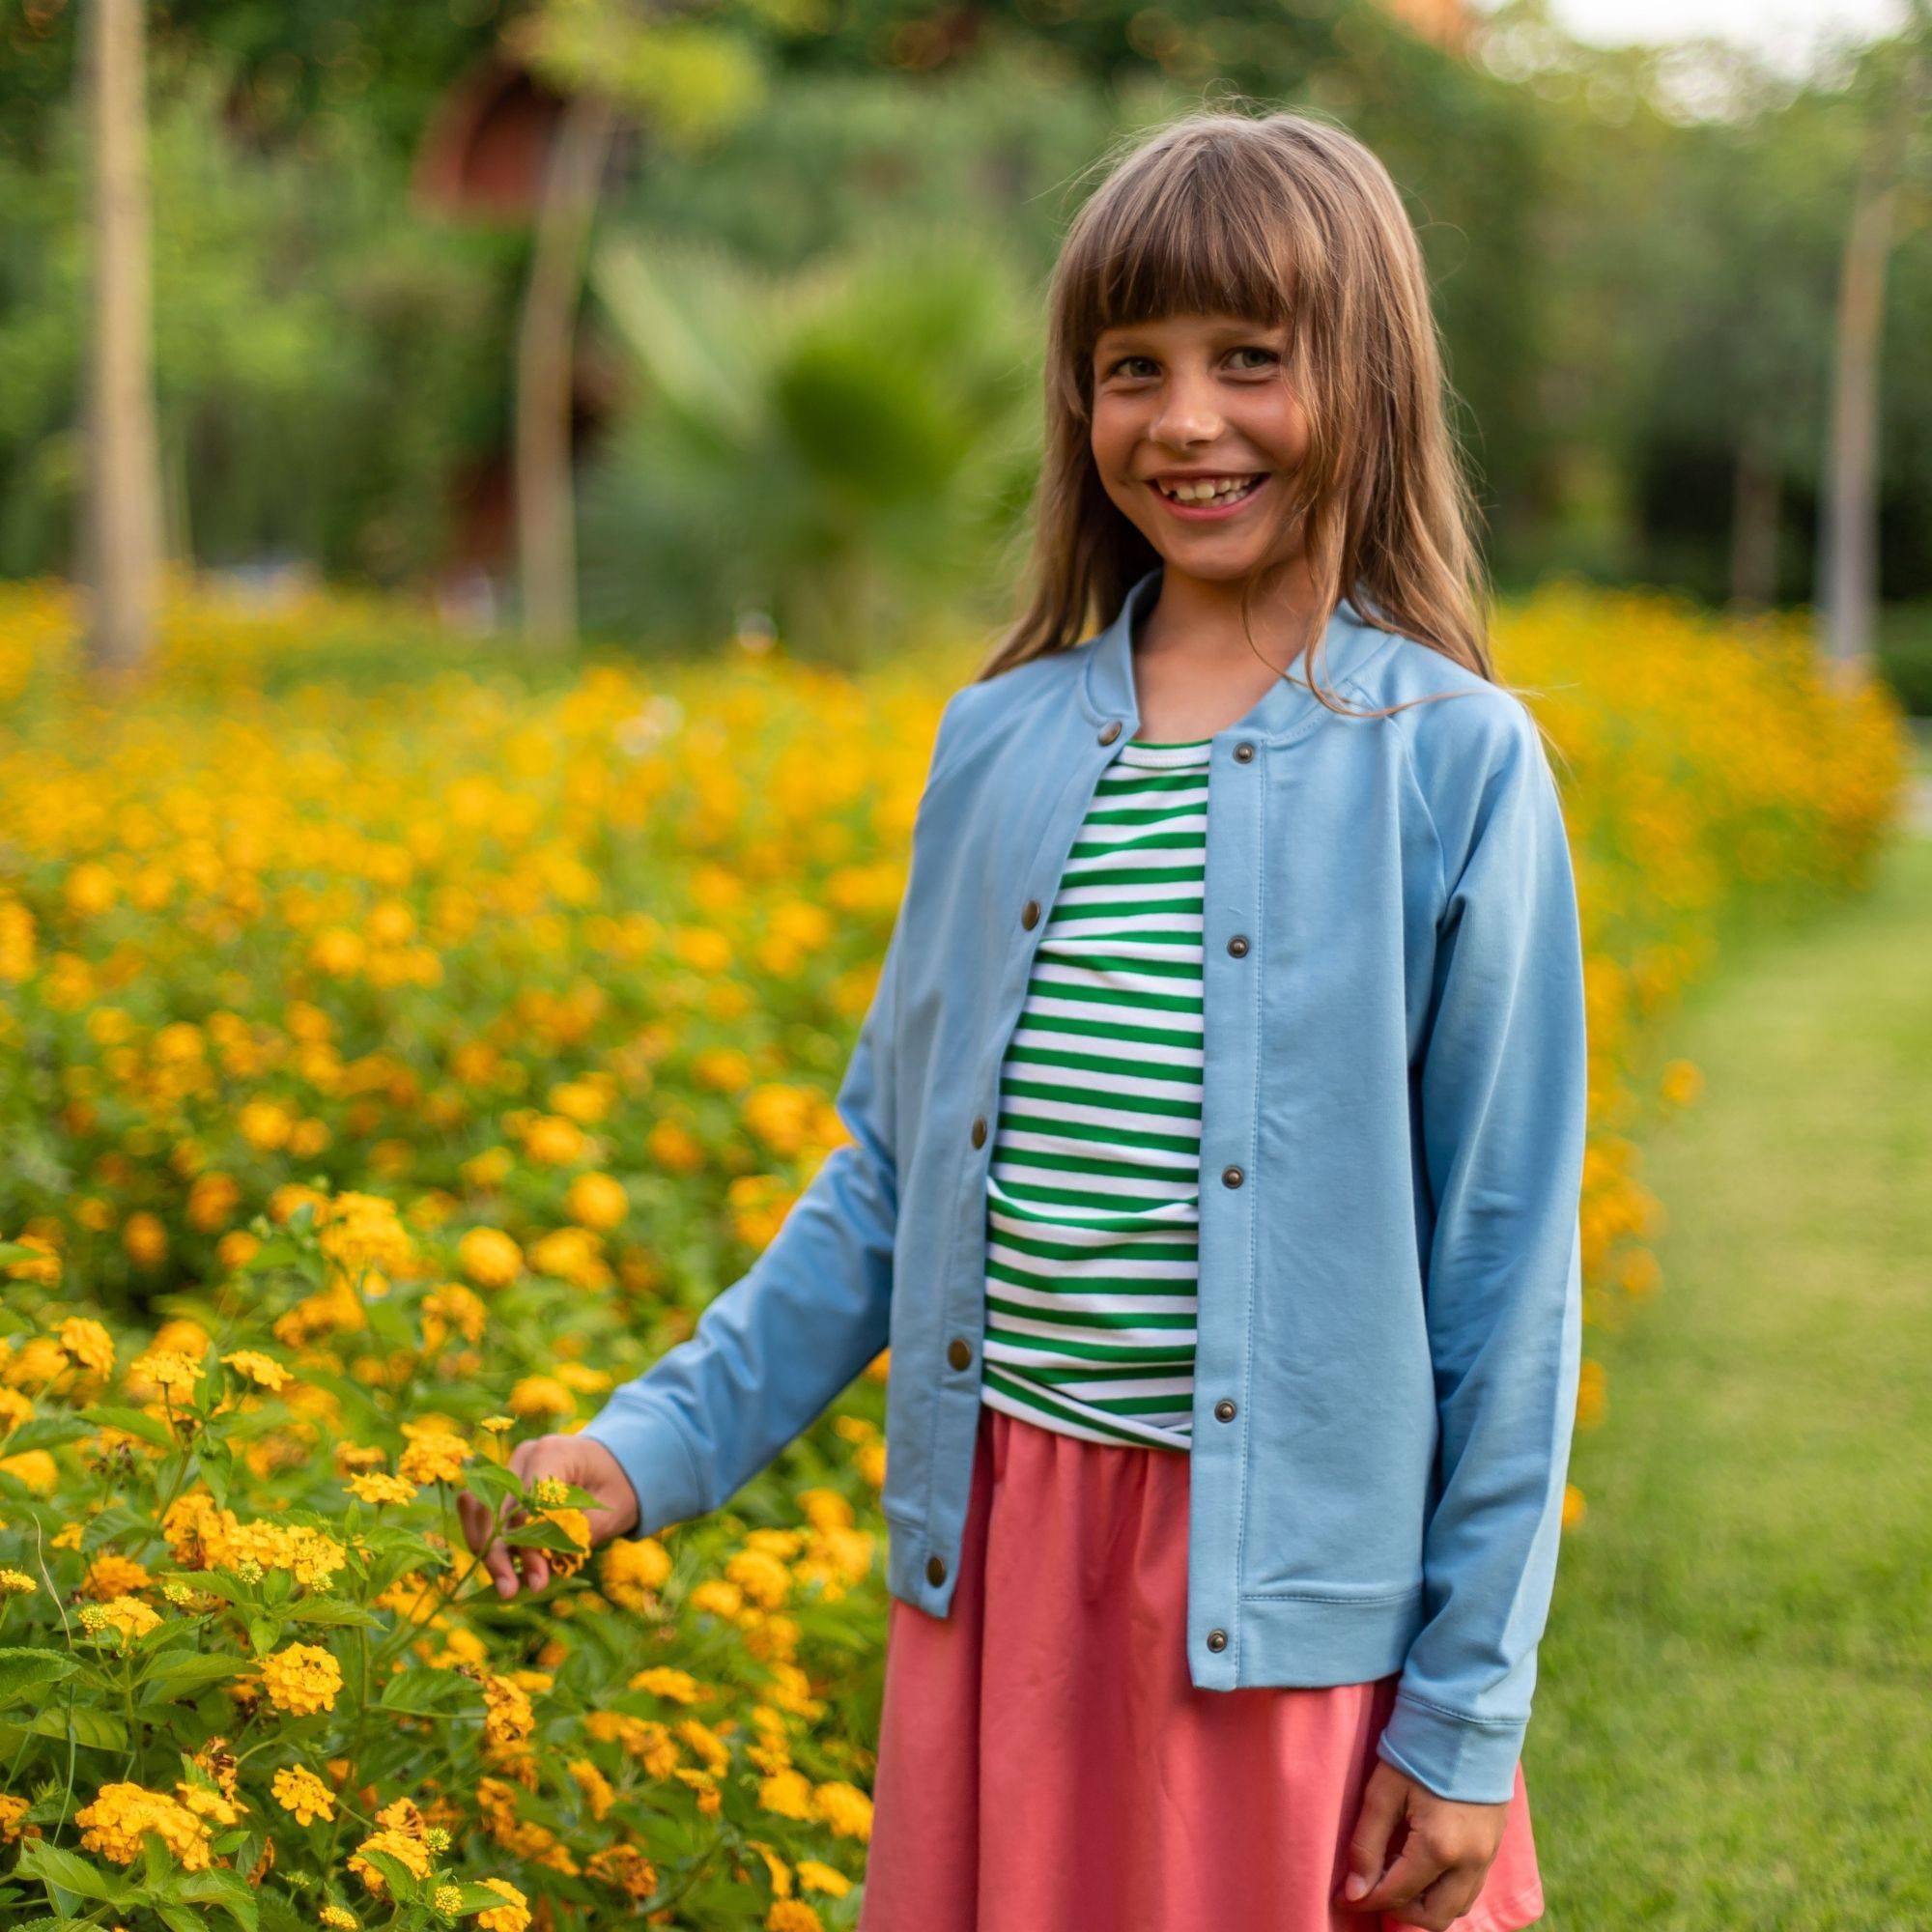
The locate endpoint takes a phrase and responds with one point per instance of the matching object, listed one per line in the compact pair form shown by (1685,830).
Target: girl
(1217,1139)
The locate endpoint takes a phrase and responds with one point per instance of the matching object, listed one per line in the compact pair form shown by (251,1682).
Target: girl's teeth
(1222,493)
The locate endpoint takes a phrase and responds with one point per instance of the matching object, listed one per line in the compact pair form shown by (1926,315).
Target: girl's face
(1189,401)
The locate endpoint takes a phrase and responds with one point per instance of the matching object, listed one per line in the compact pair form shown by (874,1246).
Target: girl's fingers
(475,1523)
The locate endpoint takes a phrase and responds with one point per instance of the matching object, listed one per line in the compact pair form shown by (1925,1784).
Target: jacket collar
(1347,645)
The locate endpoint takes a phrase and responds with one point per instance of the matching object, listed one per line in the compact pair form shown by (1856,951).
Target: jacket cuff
(1471,1761)
(655,1457)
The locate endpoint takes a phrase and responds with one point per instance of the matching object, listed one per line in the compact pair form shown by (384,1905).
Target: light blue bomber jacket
(1389,1313)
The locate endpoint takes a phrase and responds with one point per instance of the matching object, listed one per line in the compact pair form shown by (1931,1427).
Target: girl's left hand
(1450,1846)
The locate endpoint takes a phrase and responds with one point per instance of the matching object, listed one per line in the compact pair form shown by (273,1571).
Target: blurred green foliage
(1635,303)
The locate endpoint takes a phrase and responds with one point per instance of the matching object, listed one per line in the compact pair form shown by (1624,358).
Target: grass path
(1733,1726)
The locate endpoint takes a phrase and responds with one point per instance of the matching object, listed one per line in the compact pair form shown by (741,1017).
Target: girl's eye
(1246,349)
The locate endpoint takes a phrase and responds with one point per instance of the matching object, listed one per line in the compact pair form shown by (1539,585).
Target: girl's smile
(1206,502)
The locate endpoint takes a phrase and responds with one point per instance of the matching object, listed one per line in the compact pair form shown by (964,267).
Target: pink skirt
(1046,1765)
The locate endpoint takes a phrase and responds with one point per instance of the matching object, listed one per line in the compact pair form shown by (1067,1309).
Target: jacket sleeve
(773,1348)
(1502,1113)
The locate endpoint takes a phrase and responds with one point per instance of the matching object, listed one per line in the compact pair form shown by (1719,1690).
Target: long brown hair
(1287,221)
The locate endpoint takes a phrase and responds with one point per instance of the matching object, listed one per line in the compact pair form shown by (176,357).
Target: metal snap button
(959,1353)
(1224,1410)
(935,1569)
(1232,1177)
(980,1131)
(1029,914)
(1239,945)
(1112,731)
(1244,752)
(1217,1640)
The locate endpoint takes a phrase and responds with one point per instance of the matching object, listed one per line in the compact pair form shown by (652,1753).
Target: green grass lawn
(1733,1725)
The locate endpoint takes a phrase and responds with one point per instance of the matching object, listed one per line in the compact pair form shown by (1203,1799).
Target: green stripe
(1058,1233)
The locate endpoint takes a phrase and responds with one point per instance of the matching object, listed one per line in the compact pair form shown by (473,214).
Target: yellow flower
(89,1344)
(816,1877)
(792,1915)
(382,1489)
(554,1140)
(625,1867)
(301,1678)
(536,1397)
(760,1577)
(337,1920)
(435,1456)
(361,1231)
(169,1371)
(662,1680)
(299,1790)
(631,1569)
(845,1808)
(114,1824)
(513,1916)
(127,1615)
(11,1811)
(262,1370)
(16,1583)
(576,1526)
(597,1200)
(451,1309)
(488,1258)
(597,1789)
(410,1852)
(508,1718)
(788,1793)
(111,1575)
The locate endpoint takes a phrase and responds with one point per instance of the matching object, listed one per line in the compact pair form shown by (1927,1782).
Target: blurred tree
(1849,543)
(687,79)
(121,551)
(834,454)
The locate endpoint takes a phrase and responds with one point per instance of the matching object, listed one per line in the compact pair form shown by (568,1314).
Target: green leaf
(541,1536)
(427,1693)
(264,1633)
(492,1481)
(41,1861)
(46,1432)
(173,1676)
(180,1917)
(402,1880)
(210,1584)
(135,1421)
(22,1670)
(334,1612)
(479,1897)
(232,1893)
(94,1729)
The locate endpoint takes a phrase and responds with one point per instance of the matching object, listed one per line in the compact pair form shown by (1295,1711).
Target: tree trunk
(1849,551)
(544,506)
(120,529)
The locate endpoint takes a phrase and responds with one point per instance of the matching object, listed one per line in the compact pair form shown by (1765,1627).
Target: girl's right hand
(573,1458)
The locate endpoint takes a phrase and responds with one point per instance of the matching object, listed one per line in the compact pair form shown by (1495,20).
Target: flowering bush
(244,1629)
(382,1080)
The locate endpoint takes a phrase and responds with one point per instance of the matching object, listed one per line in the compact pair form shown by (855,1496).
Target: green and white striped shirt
(1093,1199)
